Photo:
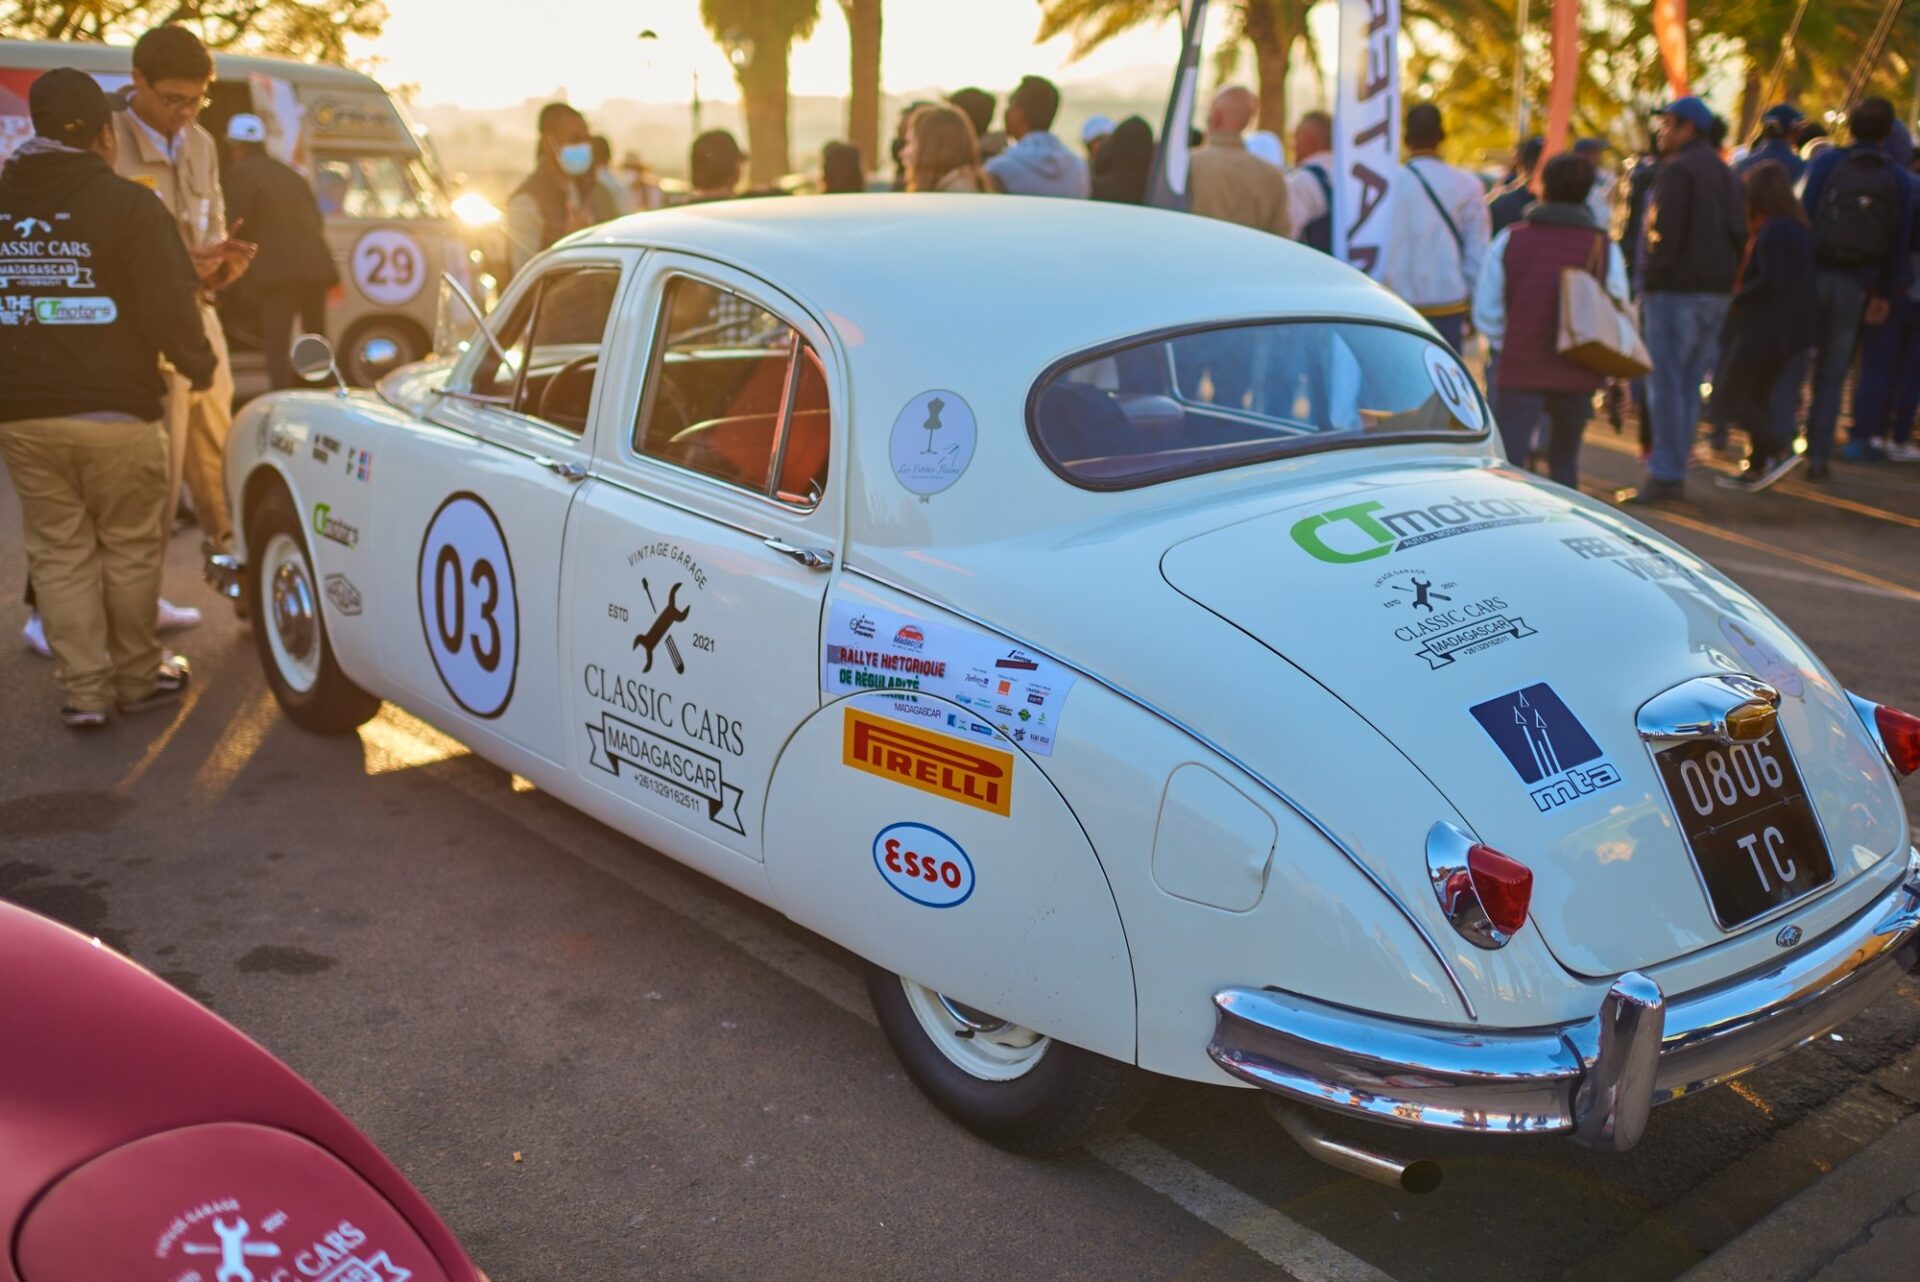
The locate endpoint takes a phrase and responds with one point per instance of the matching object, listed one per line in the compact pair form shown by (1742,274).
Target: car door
(476,504)
(699,560)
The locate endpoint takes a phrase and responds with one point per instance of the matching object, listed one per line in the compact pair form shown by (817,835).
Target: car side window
(735,393)
(552,343)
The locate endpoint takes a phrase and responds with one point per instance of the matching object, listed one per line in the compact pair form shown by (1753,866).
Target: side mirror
(312,356)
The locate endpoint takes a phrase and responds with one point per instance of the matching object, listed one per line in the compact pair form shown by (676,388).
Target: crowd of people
(1773,274)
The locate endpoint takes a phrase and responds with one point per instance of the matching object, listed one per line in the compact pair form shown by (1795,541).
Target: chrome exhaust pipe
(1419,1176)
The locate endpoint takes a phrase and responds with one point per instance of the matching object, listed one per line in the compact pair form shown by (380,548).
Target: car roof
(1055,276)
(48,54)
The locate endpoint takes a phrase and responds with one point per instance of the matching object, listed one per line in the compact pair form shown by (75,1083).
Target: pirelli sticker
(969,773)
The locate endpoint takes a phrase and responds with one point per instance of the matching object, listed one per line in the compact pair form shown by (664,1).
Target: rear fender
(1019,922)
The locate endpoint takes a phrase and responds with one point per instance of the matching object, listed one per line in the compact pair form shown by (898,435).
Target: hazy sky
(489,53)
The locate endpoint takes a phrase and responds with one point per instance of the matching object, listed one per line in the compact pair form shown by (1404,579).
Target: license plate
(1748,824)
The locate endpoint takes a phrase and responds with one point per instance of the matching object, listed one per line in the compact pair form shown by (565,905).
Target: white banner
(1366,129)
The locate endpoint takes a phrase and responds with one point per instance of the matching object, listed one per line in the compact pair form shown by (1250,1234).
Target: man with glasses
(164,149)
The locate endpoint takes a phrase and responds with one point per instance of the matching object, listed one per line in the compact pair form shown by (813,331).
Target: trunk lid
(1503,635)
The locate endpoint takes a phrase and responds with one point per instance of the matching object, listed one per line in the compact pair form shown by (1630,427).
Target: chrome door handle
(812,558)
(566,471)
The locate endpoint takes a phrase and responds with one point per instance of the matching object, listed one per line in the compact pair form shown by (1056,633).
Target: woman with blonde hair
(941,152)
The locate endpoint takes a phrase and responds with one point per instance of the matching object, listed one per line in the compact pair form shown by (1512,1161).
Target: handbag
(1596,332)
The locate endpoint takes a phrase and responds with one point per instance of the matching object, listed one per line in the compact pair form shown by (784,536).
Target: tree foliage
(1463,54)
(311,30)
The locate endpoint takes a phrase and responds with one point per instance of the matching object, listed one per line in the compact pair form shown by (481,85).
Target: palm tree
(758,35)
(863,107)
(1270,28)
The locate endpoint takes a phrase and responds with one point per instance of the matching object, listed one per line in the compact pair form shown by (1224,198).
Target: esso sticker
(388,267)
(924,864)
(469,605)
(1454,387)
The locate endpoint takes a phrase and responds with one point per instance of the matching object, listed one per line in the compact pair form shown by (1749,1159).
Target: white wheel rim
(979,1044)
(293,612)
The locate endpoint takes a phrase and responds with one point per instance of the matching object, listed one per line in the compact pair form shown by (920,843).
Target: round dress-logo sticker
(1454,386)
(932,442)
(388,267)
(924,864)
(470,605)
(1767,662)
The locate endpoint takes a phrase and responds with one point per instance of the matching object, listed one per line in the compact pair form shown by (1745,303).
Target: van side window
(735,393)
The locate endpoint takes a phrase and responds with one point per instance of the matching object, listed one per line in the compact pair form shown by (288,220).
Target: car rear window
(1208,400)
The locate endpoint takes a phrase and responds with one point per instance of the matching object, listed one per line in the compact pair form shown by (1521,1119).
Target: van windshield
(1227,397)
(375,185)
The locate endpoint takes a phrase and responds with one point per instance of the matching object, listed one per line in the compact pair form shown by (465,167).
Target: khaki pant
(197,425)
(92,498)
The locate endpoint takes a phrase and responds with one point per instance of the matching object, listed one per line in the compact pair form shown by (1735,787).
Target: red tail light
(1505,886)
(1900,732)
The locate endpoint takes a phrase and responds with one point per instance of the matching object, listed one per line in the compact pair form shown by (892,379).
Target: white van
(386,206)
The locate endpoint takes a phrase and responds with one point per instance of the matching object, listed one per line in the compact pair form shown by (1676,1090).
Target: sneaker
(35,635)
(169,684)
(83,718)
(1778,470)
(1868,451)
(1903,452)
(1759,473)
(1655,492)
(1817,470)
(175,618)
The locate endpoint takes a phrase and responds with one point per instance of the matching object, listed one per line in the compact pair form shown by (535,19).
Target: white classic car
(1122,630)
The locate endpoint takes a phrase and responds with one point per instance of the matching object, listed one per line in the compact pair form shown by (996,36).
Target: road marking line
(1305,1254)
(1796,489)
(139,768)
(234,749)
(1817,580)
(1266,1232)
(1760,545)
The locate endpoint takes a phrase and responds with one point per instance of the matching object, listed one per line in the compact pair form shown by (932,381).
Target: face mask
(576,158)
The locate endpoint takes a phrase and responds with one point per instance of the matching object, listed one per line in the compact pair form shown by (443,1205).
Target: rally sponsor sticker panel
(1003,687)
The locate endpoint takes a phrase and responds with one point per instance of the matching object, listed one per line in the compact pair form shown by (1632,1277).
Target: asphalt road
(601,1066)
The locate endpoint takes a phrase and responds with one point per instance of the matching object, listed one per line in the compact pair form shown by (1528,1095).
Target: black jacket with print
(95,287)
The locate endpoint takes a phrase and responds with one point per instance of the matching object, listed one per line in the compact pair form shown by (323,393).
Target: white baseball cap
(246,127)
(1096,128)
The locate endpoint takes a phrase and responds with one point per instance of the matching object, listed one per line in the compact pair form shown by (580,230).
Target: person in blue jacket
(1861,205)
(1777,129)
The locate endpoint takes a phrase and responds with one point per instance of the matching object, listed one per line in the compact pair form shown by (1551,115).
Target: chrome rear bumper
(1597,1078)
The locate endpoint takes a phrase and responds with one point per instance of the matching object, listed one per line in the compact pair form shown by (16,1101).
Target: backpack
(1855,224)
(1318,234)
